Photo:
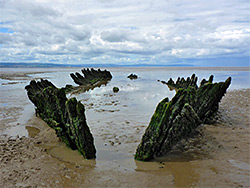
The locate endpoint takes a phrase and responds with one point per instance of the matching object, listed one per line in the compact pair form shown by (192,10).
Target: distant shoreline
(51,65)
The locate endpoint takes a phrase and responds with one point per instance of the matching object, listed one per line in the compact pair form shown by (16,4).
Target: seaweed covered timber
(132,76)
(182,83)
(91,77)
(64,115)
(176,119)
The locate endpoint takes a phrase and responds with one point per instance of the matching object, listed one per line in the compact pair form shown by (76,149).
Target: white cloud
(122,31)
(176,51)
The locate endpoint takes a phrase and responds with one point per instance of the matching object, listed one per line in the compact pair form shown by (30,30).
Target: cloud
(128,32)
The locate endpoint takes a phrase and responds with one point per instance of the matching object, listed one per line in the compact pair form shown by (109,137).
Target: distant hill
(52,65)
(30,65)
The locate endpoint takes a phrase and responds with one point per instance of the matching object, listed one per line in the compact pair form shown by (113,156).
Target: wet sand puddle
(118,121)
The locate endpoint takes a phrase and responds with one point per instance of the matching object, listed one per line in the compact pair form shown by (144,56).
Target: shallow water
(117,120)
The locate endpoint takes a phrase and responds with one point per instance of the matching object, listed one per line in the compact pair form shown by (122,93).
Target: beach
(32,156)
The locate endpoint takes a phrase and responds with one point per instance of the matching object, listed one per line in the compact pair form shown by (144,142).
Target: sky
(156,32)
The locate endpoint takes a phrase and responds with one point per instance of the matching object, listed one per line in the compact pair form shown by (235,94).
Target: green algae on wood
(66,116)
(132,76)
(115,89)
(182,82)
(176,119)
(91,76)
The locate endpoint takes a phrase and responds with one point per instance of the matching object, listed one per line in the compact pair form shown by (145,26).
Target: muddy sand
(217,155)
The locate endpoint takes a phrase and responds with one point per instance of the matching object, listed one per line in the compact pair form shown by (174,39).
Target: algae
(66,116)
(176,119)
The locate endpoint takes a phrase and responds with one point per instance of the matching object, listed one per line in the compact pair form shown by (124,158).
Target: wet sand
(217,155)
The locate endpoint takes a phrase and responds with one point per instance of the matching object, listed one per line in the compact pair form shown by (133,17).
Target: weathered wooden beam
(66,116)
(176,119)
(91,77)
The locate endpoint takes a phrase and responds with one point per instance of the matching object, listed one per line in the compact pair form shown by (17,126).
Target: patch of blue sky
(182,19)
(130,27)
(241,21)
(5,30)
(7,22)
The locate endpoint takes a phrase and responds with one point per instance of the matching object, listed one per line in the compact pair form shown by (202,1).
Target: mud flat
(216,156)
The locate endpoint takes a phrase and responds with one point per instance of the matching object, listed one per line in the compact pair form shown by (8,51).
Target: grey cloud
(80,34)
(117,35)
(123,30)
(5,38)
(34,9)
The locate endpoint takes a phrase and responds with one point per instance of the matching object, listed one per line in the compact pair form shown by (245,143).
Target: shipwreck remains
(91,77)
(182,83)
(132,76)
(65,116)
(176,119)
(116,89)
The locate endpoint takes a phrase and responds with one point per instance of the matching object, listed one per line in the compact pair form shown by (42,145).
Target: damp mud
(216,155)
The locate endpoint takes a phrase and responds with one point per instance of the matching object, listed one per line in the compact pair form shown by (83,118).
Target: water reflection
(63,153)
(82,89)
(32,131)
(14,131)
(184,173)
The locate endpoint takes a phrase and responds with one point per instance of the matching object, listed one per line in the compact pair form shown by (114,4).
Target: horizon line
(55,65)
